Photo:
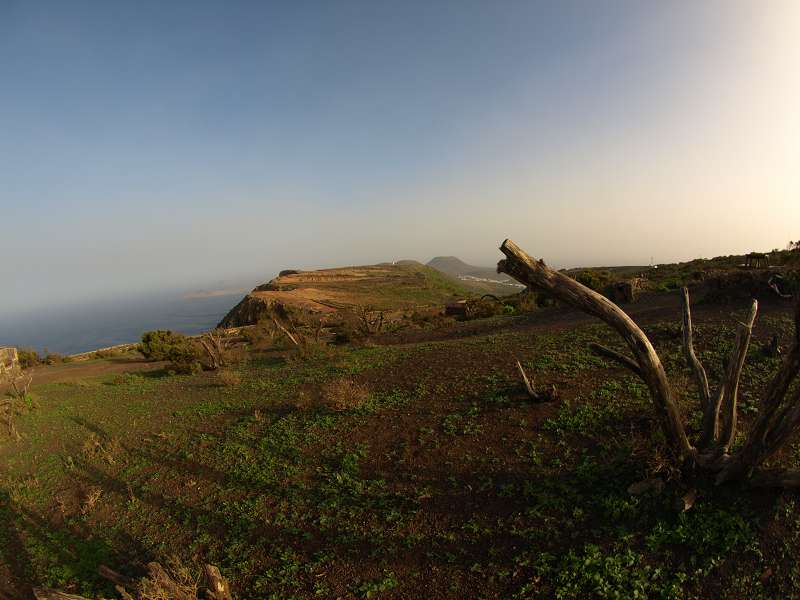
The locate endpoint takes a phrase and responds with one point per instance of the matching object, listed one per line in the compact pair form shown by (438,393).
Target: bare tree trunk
(536,274)
(778,419)
(691,357)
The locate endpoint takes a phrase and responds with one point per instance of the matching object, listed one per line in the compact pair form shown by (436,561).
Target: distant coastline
(91,326)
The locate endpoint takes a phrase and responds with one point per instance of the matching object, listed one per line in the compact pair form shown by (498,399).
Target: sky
(150,146)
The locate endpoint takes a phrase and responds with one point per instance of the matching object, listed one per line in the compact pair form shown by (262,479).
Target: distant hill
(484,280)
(388,286)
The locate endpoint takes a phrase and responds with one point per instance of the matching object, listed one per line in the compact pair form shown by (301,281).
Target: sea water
(89,326)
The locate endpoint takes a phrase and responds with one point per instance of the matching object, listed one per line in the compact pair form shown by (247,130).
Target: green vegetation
(28,357)
(413,469)
(161,345)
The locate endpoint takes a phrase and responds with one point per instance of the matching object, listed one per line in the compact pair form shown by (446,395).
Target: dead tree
(293,337)
(370,321)
(710,453)
(216,346)
(15,402)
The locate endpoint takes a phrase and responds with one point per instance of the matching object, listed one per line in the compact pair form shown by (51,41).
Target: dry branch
(768,429)
(525,381)
(691,357)
(536,274)
(730,387)
(546,395)
(285,331)
(625,361)
(370,321)
(215,345)
(779,416)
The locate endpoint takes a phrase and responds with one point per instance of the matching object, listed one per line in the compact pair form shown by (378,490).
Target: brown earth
(407,449)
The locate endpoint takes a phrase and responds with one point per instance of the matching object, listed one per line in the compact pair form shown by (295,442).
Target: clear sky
(158,145)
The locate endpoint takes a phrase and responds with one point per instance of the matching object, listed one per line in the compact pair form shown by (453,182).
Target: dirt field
(440,479)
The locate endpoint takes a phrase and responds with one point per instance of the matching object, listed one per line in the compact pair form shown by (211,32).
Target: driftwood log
(547,394)
(158,583)
(710,453)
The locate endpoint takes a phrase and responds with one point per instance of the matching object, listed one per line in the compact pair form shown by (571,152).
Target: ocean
(98,325)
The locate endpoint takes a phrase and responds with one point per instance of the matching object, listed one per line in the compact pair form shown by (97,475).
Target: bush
(347,330)
(160,344)
(484,308)
(344,394)
(311,350)
(184,360)
(595,280)
(260,336)
(433,318)
(180,351)
(228,378)
(28,357)
(53,358)
(792,280)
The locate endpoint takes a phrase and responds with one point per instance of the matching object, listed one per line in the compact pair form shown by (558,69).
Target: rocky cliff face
(247,312)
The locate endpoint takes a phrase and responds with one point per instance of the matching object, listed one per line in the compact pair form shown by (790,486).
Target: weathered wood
(543,395)
(785,425)
(691,358)
(285,331)
(159,582)
(730,387)
(625,361)
(526,382)
(43,593)
(778,419)
(218,588)
(756,446)
(114,577)
(536,274)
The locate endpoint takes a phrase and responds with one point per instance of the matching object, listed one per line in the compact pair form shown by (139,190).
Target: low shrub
(344,394)
(28,357)
(161,344)
(347,329)
(311,350)
(487,307)
(433,318)
(260,336)
(53,358)
(228,378)
(182,352)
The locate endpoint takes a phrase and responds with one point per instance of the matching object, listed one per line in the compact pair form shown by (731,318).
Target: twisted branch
(525,269)
(691,357)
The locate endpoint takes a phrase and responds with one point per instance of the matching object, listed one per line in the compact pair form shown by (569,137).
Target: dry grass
(107,450)
(228,378)
(176,582)
(89,502)
(344,394)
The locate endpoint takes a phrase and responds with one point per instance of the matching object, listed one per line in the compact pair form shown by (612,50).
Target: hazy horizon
(150,147)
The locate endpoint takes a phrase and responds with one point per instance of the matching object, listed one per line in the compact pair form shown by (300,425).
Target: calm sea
(91,326)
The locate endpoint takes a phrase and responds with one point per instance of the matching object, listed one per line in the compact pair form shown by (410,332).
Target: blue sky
(151,145)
